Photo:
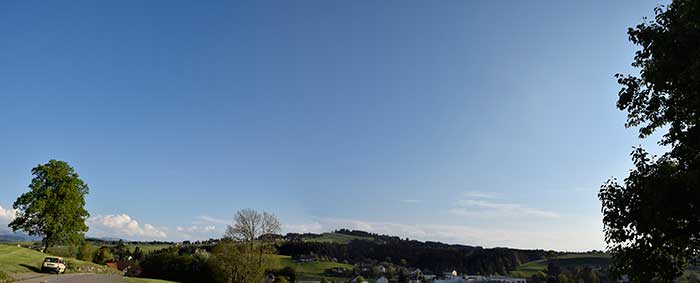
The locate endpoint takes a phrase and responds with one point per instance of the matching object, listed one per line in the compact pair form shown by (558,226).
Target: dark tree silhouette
(652,219)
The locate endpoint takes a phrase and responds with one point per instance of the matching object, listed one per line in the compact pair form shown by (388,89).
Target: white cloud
(123,226)
(196,229)
(481,195)
(209,219)
(6,216)
(304,228)
(486,205)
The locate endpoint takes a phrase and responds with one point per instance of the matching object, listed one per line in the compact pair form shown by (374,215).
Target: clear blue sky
(479,122)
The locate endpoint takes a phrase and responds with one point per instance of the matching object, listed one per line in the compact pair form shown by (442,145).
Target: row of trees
(436,257)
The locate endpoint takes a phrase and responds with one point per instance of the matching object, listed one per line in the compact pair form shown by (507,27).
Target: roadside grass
(4,277)
(14,259)
(145,280)
(307,270)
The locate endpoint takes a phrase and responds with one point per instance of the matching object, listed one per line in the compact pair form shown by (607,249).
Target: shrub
(86,252)
(103,255)
(4,278)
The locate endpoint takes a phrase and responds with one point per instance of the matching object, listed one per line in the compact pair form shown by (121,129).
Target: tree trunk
(46,245)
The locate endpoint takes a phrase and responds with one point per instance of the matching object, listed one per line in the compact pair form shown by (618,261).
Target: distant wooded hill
(355,247)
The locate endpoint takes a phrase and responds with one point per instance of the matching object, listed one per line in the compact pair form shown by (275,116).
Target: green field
(21,260)
(72,251)
(526,270)
(337,238)
(307,270)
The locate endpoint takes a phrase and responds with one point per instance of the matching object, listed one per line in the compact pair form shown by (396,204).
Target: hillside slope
(14,259)
(594,260)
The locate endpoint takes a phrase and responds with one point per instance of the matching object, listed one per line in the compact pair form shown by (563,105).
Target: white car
(53,265)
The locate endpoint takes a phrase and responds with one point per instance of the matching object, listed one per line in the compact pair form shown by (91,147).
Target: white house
(382,269)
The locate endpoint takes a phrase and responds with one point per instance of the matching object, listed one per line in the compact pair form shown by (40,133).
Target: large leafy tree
(652,219)
(54,207)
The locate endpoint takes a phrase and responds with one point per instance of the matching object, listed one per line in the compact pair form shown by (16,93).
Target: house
(449,275)
(382,269)
(382,280)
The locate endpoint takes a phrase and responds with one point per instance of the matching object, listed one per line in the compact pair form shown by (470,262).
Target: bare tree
(246,236)
(251,225)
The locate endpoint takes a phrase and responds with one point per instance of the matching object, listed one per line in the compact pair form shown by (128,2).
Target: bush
(86,252)
(4,278)
(103,255)
(287,272)
(171,266)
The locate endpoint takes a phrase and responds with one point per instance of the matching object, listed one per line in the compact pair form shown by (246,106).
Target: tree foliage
(652,219)
(86,251)
(54,207)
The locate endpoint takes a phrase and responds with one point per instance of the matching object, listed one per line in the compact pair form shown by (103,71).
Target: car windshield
(51,259)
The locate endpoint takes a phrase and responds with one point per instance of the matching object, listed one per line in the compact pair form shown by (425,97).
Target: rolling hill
(593,260)
(15,259)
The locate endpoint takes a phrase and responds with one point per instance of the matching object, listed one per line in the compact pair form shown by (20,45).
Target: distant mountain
(9,236)
(107,239)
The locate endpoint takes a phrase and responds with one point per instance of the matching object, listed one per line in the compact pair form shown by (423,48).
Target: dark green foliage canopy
(652,220)
(54,207)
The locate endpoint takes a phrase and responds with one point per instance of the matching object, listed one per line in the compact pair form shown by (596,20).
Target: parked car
(54,265)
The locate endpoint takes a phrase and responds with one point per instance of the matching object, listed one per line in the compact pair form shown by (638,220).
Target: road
(75,278)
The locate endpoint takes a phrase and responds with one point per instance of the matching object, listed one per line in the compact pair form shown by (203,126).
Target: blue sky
(487,123)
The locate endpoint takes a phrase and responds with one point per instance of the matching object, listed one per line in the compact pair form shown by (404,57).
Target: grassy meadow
(526,270)
(306,270)
(14,259)
(337,238)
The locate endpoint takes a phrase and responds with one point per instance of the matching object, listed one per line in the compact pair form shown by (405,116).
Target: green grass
(307,270)
(22,260)
(148,248)
(145,280)
(526,270)
(72,251)
(337,238)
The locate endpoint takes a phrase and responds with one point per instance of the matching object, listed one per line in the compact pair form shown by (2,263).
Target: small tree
(103,255)
(54,207)
(138,254)
(239,257)
(249,228)
(121,251)
(86,252)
